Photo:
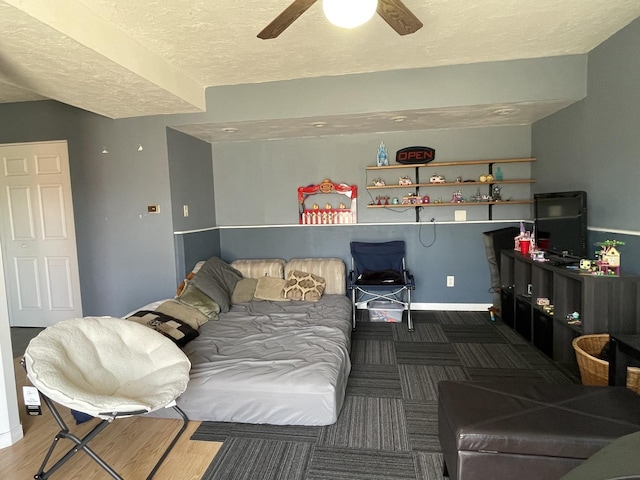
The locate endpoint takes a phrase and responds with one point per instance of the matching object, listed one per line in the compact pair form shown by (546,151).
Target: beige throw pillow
(244,290)
(304,286)
(270,288)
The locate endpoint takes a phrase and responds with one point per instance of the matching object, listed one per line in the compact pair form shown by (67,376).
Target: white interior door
(38,234)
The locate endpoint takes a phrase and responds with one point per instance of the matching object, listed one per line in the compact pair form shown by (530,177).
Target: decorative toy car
(437,179)
(405,181)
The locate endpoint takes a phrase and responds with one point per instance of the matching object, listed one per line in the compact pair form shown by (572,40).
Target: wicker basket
(594,371)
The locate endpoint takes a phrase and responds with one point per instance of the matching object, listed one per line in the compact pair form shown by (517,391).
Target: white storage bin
(382,311)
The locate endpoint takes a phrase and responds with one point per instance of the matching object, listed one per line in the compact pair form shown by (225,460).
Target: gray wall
(264,192)
(434,251)
(490,83)
(191,180)
(128,257)
(594,144)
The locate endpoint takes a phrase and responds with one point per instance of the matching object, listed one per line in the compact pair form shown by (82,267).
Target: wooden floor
(131,446)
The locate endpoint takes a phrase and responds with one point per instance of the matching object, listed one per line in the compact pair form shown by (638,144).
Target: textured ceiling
(140,57)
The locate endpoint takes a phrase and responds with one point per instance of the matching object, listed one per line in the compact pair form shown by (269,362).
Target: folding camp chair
(108,368)
(379,272)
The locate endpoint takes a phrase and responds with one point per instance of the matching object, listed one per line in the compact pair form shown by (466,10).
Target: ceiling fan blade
(286,18)
(398,16)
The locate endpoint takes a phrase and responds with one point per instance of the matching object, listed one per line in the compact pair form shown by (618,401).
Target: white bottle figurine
(383,160)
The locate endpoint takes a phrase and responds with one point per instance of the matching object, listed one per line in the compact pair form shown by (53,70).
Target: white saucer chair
(108,368)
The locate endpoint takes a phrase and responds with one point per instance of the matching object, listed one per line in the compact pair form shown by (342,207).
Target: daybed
(261,357)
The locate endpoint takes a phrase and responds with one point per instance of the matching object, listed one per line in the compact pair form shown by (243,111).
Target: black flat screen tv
(561,223)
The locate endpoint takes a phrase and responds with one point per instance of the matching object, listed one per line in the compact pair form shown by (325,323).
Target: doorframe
(10,426)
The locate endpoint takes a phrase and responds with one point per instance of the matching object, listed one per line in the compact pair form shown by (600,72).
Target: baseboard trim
(12,436)
(451,307)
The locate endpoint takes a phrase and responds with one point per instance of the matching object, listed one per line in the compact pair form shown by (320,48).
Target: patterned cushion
(331,269)
(170,327)
(188,314)
(304,286)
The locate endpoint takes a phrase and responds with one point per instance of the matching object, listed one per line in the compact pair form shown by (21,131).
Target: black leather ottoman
(525,431)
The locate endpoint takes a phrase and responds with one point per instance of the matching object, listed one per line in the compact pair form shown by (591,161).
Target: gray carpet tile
(387,429)
(490,374)
(423,332)
(429,466)
(420,353)
(374,352)
(373,331)
(472,334)
(255,459)
(347,464)
(510,334)
(422,424)
(374,381)
(556,376)
(535,358)
(462,318)
(219,431)
(489,355)
(420,382)
(369,423)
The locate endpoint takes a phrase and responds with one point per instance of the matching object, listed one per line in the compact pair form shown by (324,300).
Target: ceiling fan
(394,12)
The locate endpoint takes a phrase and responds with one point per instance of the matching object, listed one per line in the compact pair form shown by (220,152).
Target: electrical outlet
(451,281)
(153,208)
(185,210)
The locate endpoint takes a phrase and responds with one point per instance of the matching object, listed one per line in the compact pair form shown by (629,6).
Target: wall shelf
(451,204)
(417,185)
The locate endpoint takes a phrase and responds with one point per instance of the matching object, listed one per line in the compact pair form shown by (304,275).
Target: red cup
(524,246)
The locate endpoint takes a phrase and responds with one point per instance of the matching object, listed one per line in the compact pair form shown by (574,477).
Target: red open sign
(415,155)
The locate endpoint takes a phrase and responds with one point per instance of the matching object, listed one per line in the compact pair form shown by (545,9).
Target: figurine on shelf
(437,179)
(383,160)
(378,182)
(608,257)
(486,178)
(457,197)
(495,193)
(405,181)
(411,199)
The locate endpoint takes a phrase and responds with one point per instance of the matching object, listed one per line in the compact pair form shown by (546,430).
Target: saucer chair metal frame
(380,257)
(36,355)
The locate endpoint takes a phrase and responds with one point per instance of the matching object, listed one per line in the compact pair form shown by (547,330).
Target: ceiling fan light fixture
(349,13)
